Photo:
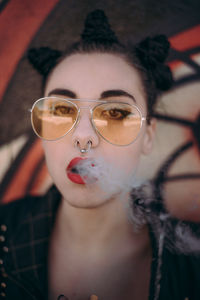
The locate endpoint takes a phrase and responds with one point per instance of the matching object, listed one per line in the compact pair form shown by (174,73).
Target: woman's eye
(62,110)
(116,114)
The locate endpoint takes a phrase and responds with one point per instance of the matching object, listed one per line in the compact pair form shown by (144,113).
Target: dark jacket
(25,227)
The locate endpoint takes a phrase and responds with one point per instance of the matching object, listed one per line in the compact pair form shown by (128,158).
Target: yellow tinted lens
(118,123)
(52,118)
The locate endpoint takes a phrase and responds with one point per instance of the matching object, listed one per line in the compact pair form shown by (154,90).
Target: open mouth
(78,173)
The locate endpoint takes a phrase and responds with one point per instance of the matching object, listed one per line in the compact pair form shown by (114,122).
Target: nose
(84,132)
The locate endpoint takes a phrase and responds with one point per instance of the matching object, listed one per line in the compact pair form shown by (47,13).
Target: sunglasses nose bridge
(81,116)
(80,113)
(84,129)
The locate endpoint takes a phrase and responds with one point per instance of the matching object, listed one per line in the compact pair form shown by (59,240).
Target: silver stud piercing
(86,149)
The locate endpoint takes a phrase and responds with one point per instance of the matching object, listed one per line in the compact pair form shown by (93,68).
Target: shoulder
(181,272)
(16,212)
(175,273)
(17,209)
(185,264)
(12,213)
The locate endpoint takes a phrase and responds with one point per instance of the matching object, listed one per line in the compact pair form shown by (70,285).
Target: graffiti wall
(174,166)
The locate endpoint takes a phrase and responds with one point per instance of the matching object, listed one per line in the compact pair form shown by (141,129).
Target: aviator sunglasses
(118,123)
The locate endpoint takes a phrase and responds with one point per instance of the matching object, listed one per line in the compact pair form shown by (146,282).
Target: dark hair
(147,57)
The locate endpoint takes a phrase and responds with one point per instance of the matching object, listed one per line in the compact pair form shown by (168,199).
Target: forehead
(88,75)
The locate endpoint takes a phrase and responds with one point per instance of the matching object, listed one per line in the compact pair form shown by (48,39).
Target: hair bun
(152,53)
(43,59)
(153,50)
(97,29)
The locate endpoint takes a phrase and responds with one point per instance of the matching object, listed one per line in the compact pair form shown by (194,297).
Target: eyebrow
(116,93)
(104,95)
(63,92)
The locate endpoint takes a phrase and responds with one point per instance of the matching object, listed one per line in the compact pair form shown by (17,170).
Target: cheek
(132,160)
(55,157)
(126,158)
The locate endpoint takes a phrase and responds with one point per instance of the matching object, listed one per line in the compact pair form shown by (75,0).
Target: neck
(106,225)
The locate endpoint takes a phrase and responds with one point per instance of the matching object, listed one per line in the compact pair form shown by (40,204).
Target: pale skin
(94,249)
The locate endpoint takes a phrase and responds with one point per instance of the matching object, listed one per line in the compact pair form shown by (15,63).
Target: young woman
(95,122)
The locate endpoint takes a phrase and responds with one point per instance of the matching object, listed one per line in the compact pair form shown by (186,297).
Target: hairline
(123,56)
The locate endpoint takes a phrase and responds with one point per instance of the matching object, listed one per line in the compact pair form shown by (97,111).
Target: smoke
(143,208)
(109,178)
(179,236)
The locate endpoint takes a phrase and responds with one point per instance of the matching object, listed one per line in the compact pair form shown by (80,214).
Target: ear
(149,137)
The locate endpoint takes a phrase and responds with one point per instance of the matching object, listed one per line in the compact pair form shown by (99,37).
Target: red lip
(76,178)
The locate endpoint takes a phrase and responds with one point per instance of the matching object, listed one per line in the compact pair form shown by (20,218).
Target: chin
(82,196)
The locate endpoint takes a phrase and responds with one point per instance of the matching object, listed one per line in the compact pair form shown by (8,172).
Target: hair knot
(97,29)
(43,59)
(152,53)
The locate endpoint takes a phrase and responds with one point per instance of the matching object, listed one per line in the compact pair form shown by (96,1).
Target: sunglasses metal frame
(69,100)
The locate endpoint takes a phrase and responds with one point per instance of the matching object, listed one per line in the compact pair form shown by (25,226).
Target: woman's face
(88,77)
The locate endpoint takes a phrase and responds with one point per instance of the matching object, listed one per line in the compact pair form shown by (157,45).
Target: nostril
(83,148)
